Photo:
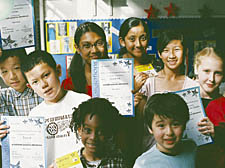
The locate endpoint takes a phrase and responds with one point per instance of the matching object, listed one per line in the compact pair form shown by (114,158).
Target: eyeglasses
(88,46)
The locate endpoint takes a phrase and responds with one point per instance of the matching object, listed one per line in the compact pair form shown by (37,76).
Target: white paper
(197,112)
(24,146)
(113,79)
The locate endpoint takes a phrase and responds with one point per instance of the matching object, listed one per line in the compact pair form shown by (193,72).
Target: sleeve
(4,108)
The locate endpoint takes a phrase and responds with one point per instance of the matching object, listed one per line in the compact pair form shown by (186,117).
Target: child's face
(172,55)
(91,46)
(136,41)
(92,135)
(210,74)
(167,133)
(45,82)
(12,75)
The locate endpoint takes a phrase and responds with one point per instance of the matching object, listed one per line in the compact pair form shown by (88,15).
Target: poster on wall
(17,27)
(60,37)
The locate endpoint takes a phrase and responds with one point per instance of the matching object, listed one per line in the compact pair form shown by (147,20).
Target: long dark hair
(76,69)
(124,29)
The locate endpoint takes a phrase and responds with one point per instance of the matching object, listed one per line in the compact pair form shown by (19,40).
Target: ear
(150,130)
(122,42)
(159,55)
(77,48)
(79,131)
(58,70)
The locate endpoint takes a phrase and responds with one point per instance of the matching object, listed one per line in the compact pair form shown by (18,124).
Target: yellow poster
(60,37)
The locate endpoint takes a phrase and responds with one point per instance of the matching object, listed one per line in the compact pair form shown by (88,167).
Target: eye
(86,45)
(160,125)
(177,49)
(99,43)
(206,70)
(46,75)
(34,82)
(219,73)
(86,130)
(176,124)
(4,72)
(165,50)
(143,38)
(131,39)
(17,67)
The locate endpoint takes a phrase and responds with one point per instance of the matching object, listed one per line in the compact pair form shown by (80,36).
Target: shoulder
(189,83)
(38,110)
(148,158)
(76,95)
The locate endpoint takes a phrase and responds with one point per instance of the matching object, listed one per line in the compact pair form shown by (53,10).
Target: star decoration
(152,12)
(171,9)
(205,12)
(8,41)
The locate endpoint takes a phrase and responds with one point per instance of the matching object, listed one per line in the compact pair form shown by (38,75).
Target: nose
(93,135)
(171,54)
(94,48)
(169,131)
(137,43)
(44,84)
(12,75)
(211,77)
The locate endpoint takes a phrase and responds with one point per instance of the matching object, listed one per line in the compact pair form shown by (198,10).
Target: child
(42,74)
(166,115)
(96,122)
(209,69)
(17,99)
(90,43)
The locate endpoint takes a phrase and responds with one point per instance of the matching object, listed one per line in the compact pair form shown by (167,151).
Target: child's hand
(3,129)
(137,98)
(139,81)
(51,166)
(206,127)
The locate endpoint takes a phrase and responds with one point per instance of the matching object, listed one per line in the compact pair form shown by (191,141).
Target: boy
(17,99)
(96,122)
(42,74)
(166,115)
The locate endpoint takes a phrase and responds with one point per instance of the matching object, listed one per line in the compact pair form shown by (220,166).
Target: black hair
(125,28)
(76,69)
(165,37)
(101,107)
(20,53)
(37,57)
(166,105)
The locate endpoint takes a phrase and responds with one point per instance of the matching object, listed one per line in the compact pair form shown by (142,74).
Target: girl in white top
(171,50)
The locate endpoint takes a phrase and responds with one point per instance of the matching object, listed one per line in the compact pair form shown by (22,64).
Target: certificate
(24,146)
(113,79)
(196,110)
(17,27)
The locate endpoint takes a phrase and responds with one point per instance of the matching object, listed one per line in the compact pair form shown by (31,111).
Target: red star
(171,10)
(152,12)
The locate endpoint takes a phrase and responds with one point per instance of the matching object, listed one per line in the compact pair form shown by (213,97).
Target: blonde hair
(207,52)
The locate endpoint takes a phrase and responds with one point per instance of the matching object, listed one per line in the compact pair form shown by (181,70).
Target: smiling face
(45,82)
(210,75)
(12,75)
(172,55)
(167,133)
(136,41)
(91,46)
(92,135)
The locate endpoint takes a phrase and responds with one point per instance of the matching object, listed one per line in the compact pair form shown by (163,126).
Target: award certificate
(24,146)
(113,79)
(197,112)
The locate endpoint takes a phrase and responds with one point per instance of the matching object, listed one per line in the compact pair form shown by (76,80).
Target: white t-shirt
(153,158)
(60,140)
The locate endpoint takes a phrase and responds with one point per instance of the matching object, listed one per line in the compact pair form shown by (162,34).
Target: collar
(26,92)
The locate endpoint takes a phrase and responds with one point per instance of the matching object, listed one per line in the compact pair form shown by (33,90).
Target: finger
(2,127)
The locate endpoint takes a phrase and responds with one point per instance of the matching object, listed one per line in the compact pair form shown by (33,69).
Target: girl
(95,122)
(90,43)
(209,69)
(171,50)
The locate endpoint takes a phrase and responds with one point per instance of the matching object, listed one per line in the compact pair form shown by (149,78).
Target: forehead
(89,37)
(212,61)
(93,120)
(38,70)
(10,61)
(159,118)
(139,29)
(174,43)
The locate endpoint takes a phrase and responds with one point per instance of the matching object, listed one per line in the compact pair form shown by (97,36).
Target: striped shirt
(13,103)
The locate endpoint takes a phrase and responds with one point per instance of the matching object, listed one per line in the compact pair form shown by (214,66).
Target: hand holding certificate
(192,97)
(24,146)
(113,79)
